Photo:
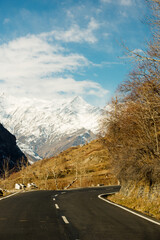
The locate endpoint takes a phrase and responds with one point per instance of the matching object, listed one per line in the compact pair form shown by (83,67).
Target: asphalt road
(70,215)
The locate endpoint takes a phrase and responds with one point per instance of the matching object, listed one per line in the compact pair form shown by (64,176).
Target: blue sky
(55,49)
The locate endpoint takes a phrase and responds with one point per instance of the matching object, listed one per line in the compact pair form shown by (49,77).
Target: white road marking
(9,195)
(56,195)
(56,205)
(63,192)
(65,219)
(126,209)
(54,199)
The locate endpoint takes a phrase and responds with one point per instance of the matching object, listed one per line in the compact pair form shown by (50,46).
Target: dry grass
(90,164)
(146,203)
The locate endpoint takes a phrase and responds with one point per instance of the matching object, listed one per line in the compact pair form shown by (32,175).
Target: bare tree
(132,127)
(5,168)
(54,171)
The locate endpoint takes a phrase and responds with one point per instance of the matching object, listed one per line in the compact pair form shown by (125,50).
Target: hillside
(10,154)
(83,166)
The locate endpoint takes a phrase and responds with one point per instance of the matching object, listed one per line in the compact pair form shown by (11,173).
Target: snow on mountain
(43,128)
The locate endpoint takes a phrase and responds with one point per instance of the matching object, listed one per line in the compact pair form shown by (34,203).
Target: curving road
(70,215)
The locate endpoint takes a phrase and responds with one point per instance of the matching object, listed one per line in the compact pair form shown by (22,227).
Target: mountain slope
(44,128)
(10,154)
(79,166)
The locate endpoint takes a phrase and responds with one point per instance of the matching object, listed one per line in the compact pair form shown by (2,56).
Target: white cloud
(126,2)
(102,64)
(133,54)
(76,34)
(31,57)
(106,1)
(121,2)
(6,20)
(34,66)
(137,50)
(70,86)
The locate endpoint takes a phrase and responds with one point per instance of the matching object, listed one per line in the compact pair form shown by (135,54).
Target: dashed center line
(23,220)
(54,199)
(56,195)
(65,219)
(56,205)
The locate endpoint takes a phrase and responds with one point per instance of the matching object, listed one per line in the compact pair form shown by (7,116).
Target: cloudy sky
(62,48)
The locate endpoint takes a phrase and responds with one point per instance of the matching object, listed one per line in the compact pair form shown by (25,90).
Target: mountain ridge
(42,126)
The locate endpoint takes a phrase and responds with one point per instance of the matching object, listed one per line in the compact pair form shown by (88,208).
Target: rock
(9,151)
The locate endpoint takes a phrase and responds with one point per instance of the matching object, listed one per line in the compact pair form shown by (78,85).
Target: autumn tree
(132,127)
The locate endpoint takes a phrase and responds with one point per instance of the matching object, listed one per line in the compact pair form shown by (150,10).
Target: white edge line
(56,205)
(65,219)
(126,209)
(9,195)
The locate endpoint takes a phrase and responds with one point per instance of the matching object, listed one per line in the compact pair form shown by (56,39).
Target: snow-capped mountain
(44,128)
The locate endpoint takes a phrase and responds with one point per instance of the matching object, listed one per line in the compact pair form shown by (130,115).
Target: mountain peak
(78,101)
(38,124)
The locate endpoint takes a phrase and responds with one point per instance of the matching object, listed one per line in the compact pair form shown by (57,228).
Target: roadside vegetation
(141,198)
(132,127)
